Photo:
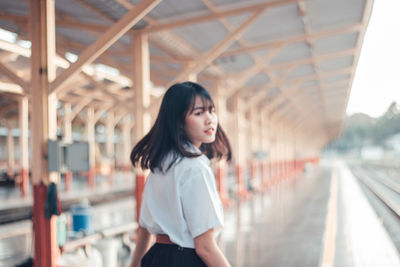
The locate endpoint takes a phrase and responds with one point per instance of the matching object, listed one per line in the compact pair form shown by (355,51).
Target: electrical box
(63,157)
(55,157)
(77,157)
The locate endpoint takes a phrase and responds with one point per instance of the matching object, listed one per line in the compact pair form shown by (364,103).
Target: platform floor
(320,218)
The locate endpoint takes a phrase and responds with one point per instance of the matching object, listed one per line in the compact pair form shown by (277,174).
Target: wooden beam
(218,49)
(15,48)
(295,63)
(141,76)
(104,42)
(104,90)
(291,40)
(214,16)
(11,88)
(14,77)
(249,73)
(42,36)
(99,113)
(80,106)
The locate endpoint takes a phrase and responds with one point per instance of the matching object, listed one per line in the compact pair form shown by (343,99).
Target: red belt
(163,239)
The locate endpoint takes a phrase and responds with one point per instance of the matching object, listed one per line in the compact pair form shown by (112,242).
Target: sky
(377,80)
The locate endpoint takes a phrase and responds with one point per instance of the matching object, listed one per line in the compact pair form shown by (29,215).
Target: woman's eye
(197,113)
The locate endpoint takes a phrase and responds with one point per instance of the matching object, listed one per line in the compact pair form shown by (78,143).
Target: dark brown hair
(167,134)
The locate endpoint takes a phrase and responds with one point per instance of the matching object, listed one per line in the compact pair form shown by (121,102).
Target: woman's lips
(209,131)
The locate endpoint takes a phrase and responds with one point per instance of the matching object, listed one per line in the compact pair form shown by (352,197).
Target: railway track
(383,187)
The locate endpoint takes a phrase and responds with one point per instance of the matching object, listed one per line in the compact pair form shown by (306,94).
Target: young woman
(180,203)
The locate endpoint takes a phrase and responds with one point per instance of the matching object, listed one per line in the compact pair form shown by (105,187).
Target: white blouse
(183,202)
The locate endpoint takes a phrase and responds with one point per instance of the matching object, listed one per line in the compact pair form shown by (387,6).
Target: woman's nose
(208,118)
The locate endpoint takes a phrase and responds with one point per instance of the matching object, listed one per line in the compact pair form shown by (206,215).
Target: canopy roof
(297,58)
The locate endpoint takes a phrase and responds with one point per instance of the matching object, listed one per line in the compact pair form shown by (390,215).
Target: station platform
(318,218)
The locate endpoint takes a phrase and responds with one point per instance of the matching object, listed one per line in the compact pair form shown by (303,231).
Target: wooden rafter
(11,88)
(104,90)
(291,40)
(104,42)
(256,68)
(14,77)
(215,15)
(201,63)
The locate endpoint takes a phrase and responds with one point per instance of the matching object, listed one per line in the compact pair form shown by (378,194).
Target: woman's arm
(208,250)
(142,245)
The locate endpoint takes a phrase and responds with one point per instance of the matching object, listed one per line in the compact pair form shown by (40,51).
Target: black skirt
(168,255)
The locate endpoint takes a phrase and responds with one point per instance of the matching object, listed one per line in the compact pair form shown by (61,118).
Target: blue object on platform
(82,218)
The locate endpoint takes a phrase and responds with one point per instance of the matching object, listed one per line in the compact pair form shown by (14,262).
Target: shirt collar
(189,147)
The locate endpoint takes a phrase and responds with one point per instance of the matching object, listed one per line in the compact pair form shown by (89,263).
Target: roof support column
(10,153)
(252,137)
(90,131)
(110,134)
(127,141)
(67,133)
(67,138)
(141,79)
(273,153)
(110,151)
(263,133)
(221,109)
(239,146)
(23,144)
(42,33)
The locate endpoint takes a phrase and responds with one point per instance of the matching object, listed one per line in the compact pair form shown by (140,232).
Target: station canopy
(297,59)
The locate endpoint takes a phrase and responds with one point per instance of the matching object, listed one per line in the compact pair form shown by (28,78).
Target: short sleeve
(202,208)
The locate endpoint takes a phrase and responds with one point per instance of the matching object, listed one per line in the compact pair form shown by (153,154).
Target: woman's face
(201,123)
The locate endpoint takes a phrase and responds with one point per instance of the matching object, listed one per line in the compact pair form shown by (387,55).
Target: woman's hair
(168,135)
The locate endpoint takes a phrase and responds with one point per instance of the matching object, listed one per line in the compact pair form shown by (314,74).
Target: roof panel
(84,38)
(275,24)
(81,13)
(309,84)
(336,63)
(272,93)
(235,63)
(173,9)
(259,79)
(328,14)
(199,36)
(301,71)
(9,25)
(335,78)
(237,20)
(14,7)
(261,52)
(110,7)
(292,52)
(335,43)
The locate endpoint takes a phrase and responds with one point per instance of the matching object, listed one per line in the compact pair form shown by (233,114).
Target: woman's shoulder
(195,163)
(189,169)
